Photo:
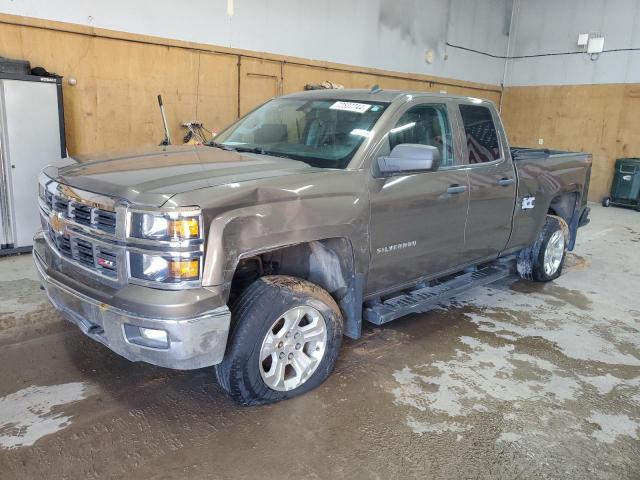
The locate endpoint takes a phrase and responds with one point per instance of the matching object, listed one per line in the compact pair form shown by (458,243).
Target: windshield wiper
(237,148)
(262,151)
(258,150)
(222,146)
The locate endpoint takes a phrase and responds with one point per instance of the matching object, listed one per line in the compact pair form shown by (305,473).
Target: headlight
(164,269)
(166,226)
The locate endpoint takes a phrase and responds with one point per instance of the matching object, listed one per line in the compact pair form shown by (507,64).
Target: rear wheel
(543,261)
(285,341)
(606,201)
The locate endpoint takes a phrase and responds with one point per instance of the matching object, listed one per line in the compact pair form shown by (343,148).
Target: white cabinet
(31,137)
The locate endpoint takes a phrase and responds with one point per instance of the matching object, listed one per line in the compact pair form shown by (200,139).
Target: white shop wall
(551,26)
(388,34)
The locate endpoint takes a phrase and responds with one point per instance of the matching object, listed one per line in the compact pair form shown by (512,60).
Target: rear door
(418,220)
(492,181)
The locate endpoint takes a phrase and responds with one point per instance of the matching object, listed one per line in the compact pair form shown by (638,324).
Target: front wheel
(543,261)
(285,340)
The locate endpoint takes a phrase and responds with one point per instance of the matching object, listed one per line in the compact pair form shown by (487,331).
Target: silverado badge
(398,246)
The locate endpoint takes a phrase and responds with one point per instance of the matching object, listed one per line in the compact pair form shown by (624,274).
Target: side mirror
(410,157)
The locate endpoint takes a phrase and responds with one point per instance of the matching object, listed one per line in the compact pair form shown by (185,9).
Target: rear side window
(425,125)
(482,137)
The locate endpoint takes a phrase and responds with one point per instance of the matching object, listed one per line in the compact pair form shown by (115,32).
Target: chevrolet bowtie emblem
(57,223)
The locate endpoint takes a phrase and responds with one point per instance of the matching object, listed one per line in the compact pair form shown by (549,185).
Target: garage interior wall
(386,34)
(215,60)
(573,102)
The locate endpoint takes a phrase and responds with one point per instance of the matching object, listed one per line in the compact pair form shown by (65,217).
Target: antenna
(375,89)
(167,137)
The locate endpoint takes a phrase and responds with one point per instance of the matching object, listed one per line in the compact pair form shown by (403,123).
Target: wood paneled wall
(601,119)
(113,106)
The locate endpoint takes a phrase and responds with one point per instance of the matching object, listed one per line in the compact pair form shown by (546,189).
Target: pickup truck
(313,213)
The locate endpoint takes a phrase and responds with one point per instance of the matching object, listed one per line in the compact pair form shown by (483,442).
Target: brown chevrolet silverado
(316,211)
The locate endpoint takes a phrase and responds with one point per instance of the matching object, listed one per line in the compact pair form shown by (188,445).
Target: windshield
(322,133)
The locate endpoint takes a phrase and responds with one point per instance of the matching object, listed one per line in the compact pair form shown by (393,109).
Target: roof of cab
(365,95)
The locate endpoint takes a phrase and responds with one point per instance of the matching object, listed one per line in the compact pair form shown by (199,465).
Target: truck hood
(153,176)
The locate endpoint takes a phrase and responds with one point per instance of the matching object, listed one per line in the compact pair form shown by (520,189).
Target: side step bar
(424,298)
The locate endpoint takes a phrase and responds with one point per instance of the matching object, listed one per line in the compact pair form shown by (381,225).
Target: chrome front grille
(82,251)
(83,228)
(105,220)
(80,212)
(86,253)
(62,243)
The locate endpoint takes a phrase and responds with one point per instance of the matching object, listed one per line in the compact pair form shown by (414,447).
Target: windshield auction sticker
(351,107)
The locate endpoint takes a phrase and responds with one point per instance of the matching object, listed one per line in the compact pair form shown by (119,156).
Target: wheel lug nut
(298,346)
(280,345)
(297,335)
(290,356)
(288,334)
(281,355)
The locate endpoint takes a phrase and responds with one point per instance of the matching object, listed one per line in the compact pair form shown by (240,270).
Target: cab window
(481,134)
(425,125)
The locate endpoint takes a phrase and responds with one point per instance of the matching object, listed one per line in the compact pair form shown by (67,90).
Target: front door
(492,181)
(418,220)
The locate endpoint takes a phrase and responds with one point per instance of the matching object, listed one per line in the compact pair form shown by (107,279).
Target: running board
(422,299)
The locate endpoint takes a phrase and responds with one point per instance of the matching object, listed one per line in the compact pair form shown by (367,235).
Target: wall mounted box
(595,45)
(583,39)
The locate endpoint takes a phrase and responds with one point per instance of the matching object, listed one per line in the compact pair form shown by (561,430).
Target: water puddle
(36,411)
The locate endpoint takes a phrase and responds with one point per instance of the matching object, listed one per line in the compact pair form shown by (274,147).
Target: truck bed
(556,178)
(524,153)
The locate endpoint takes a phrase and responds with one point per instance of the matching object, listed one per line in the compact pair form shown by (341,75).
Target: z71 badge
(528,203)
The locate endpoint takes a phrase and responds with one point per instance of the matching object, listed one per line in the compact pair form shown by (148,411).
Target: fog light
(155,335)
(146,337)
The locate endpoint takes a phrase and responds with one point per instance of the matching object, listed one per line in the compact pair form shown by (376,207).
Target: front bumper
(196,327)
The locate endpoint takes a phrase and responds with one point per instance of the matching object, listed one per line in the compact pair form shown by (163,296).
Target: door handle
(457,189)
(505,182)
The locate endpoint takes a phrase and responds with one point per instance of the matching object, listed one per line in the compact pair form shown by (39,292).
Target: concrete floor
(518,380)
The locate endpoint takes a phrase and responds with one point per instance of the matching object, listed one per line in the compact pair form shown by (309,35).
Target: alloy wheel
(293,348)
(553,253)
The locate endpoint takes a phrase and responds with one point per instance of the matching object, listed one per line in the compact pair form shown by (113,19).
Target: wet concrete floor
(516,380)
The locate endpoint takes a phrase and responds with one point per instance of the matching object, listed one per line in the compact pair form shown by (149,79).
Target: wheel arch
(566,206)
(330,263)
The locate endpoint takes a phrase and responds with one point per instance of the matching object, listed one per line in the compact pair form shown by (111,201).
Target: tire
(638,207)
(552,243)
(606,201)
(261,317)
